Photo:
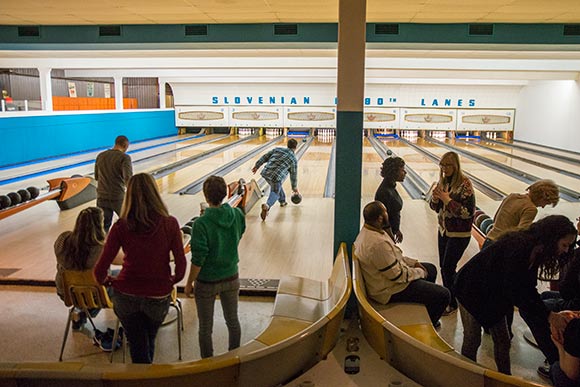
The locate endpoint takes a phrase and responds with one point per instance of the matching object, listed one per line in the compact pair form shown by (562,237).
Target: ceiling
(102,12)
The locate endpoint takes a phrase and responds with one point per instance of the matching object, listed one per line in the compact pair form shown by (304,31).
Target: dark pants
(141,318)
(450,252)
(540,328)
(426,292)
(109,206)
(486,243)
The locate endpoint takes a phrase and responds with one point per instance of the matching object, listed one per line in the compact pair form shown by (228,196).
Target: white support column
(162,104)
(118,92)
(45,88)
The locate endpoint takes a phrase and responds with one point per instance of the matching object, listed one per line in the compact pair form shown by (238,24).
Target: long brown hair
(87,233)
(143,205)
(457,177)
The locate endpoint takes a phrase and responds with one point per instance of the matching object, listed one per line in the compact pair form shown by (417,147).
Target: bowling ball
(480,219)
(304,139)
(296,198)
(189,224)
(77,175)
(477,213)
(34,192)
(14,197)
(485,225)
(24,195)
(488,228)
(389,152)
(5,202)
(186,230)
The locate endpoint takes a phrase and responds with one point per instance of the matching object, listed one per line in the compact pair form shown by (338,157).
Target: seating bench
(301,332)
(404,337)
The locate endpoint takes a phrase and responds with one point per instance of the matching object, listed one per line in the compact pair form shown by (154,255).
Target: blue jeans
(276,193)
(205,294)
(450,252)
(426,292)
(141,318)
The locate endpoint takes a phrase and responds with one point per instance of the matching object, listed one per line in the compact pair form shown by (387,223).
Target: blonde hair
(544,189)
(143,204)
(457,177)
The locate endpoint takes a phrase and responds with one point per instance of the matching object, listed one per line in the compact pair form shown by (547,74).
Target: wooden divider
(289,346)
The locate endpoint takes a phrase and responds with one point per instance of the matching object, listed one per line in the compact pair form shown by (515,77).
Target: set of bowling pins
(383,131)
(438,134)
(326,133)
(410,133)
(491,135)
(274,131)
(245,131)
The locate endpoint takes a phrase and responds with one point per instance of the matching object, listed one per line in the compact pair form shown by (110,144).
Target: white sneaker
(264,212)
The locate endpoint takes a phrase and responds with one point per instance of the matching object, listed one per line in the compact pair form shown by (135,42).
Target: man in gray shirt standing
(113,170)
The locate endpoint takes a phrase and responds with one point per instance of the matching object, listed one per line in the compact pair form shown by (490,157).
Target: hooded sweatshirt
(214,242)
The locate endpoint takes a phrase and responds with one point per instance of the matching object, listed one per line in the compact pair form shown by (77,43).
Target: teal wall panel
(37,137)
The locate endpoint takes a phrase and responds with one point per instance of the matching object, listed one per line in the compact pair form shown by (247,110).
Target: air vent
(571,29)
(481,29)
(386,29)
(196,30)
(110,31)
(286,29)
(29,31)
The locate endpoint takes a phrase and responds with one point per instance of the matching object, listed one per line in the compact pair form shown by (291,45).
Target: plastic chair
(83,292)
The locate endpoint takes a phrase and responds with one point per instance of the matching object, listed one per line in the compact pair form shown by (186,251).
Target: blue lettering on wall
(422,102)
(471,102)
(237,100)
(336,100)
(306,101)
(273,100)
(435,102)
(249,99)
(459,102)
(367,101)
(260,100)
(447,102)
(214,100)
(380,101)
(293,101)
(226,101)
(282,100)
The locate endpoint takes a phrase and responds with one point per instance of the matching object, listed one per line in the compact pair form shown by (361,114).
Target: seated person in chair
(391,277)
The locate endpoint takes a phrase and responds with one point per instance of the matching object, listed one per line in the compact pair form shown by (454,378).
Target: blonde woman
(518,211)
(454,202)
(142,290)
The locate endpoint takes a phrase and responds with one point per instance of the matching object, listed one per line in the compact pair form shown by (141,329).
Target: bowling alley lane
(531,155)
(429,170)
(533,147)
(558,178)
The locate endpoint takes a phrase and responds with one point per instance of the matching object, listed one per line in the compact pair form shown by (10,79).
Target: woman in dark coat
(392,171)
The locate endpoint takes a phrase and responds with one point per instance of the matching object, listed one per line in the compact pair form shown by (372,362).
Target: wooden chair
(83,292)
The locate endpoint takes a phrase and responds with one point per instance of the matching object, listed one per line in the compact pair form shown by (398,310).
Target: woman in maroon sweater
(142,290)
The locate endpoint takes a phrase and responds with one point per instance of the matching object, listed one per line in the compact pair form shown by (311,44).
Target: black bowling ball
(5,202)
(24,195)
(34,192)
(296,198)
(14,197)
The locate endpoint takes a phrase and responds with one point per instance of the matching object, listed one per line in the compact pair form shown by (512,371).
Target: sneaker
(98,337)
(264,212)
(283,204)
(437,324)
(449,310)
(105,340)
(544,370)
(79,322)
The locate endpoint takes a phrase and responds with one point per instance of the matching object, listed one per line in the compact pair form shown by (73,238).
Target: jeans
(450,252)
(426,292)
(472,340)
(560,379)
(141,318)
(540,328)
(276,193)
(205,294)
(109,206)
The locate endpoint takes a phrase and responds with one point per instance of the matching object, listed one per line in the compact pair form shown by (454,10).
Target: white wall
(548,113)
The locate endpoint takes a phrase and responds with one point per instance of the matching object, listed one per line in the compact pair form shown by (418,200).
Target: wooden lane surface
(429,171)
(560,179)
(371,176)
(40,181)
(560,152)
(529,154)
(28,237)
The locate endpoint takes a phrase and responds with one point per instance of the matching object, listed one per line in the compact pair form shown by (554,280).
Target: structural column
(118,92)
(349,120)
(45,88)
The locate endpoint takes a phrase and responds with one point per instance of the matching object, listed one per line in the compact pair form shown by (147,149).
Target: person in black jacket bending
(505,275)
(392,171)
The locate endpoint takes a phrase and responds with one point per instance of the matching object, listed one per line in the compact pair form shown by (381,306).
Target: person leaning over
(215,236)
(113,170)
(279,162)
(518,211)
(391,277)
